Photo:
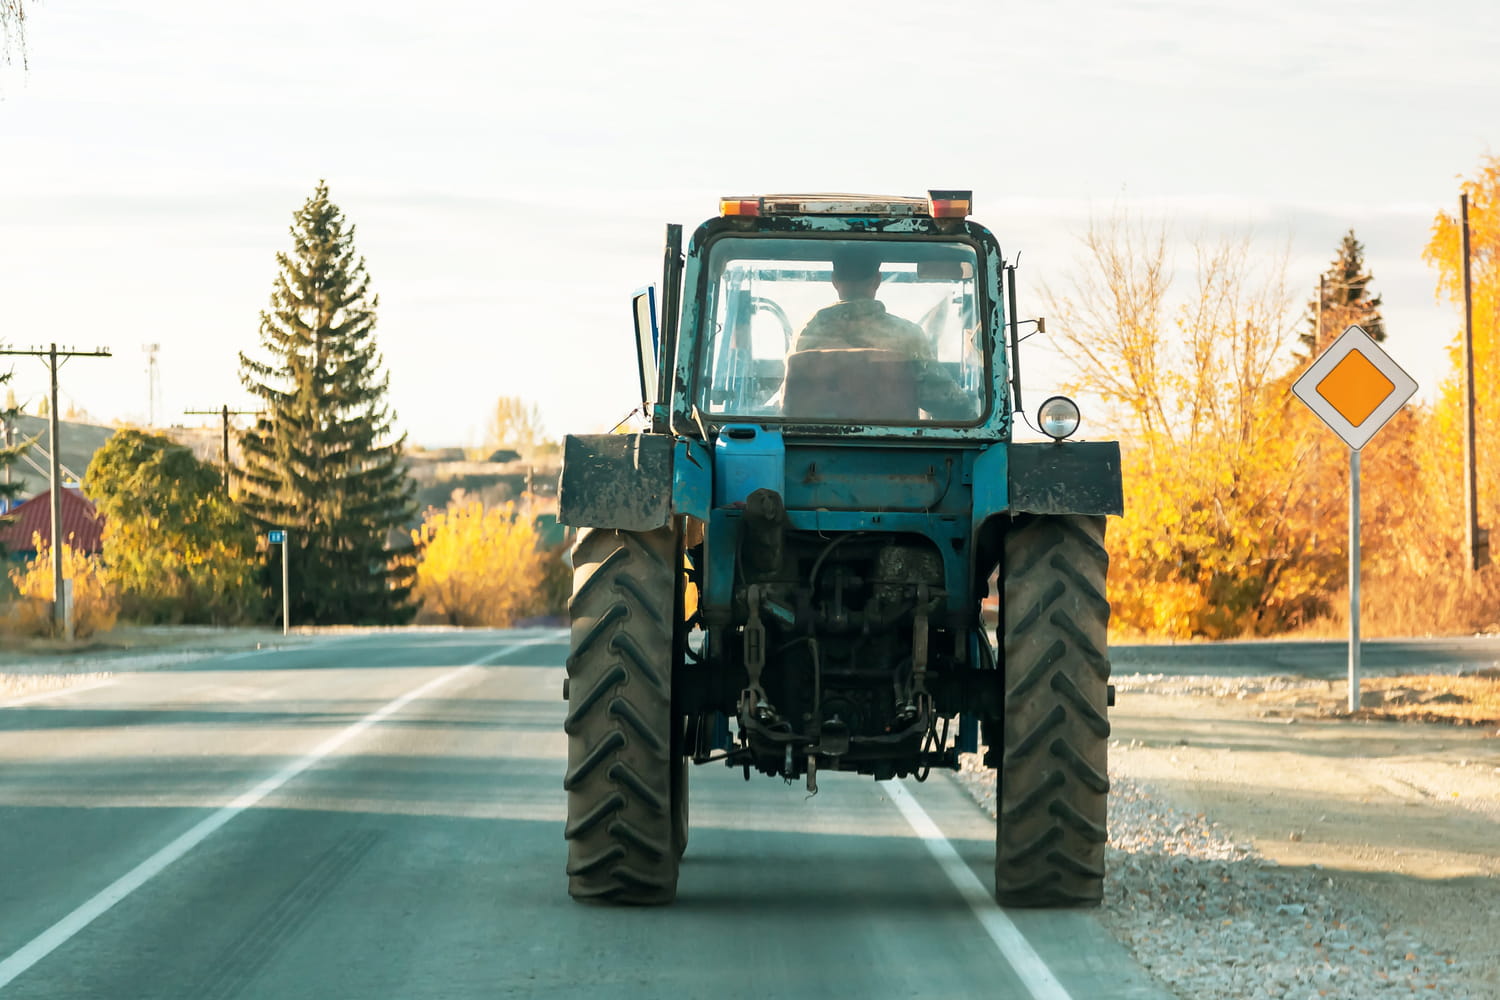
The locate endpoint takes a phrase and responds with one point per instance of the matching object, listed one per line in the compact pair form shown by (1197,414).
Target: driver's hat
(855,263)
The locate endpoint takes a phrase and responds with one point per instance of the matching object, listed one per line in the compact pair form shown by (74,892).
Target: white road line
(61,932)
(253,652)
(1027,964)
(536,640)
(56,693)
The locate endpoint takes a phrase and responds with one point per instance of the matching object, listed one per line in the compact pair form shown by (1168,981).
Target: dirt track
(1406,813)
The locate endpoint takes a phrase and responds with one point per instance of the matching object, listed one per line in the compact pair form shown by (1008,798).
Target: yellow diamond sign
(1355,387)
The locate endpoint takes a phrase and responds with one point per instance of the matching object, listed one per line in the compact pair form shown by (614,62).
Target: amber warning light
(739,206)
(950,204)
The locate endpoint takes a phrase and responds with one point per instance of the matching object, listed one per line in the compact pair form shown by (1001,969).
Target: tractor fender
(1066,477)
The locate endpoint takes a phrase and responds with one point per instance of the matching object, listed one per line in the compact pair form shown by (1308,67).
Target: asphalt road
(381,816)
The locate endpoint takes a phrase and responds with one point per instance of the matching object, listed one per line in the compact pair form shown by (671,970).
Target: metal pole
(1353,580)
(59,612)
(1318,334)
(50,355)
(224,413)
(286,594)
(1472,534)
(7,430)
(226,449)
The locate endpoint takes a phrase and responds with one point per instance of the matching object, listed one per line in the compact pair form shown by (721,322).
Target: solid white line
(536,640)
(55,693)
(1028,965)
(59,933)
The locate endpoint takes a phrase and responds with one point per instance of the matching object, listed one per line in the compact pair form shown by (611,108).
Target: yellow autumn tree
(1224,508)
(96,605)
(477,565)
(1460,599)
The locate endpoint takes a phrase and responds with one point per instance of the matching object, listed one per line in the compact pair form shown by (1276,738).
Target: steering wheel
(768,385)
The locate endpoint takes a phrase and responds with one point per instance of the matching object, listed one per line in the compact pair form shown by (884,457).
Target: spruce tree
(321,462)
(11,447)
(1346,301)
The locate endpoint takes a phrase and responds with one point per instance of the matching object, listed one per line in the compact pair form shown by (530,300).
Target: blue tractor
(783,570)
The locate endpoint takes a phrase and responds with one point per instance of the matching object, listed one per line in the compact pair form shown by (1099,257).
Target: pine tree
(1346,301)
(321,462)
(11,447)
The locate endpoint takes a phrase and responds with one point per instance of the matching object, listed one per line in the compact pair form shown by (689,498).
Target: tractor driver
(858,320)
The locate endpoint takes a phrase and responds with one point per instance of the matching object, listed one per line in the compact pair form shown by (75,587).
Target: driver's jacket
(863,323)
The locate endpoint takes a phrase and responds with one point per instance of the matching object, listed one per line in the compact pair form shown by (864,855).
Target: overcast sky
(510,167)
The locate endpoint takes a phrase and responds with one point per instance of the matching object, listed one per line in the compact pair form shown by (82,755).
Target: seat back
(858,384)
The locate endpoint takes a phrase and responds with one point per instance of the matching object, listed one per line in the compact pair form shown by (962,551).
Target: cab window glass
(843,330)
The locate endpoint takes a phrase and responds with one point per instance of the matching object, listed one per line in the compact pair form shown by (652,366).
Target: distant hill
(79,442)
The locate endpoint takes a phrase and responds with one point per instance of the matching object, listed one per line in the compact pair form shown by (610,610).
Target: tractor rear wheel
(621,776)
(680,766)
(1053,780)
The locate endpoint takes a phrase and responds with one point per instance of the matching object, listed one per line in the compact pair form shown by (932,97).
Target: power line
(225,412)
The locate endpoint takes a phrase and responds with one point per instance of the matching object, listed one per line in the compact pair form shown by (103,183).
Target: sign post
(279,538)
(1354,387)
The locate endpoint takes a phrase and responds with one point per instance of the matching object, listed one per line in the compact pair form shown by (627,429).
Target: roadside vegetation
(1236,496)
(96,601)
(485,566)
(186,542)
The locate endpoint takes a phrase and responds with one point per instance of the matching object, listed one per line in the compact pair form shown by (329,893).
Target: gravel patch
(1212,918)
(1210,686)
(22,675)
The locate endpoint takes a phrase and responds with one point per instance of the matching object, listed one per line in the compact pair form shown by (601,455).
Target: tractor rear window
(847,331)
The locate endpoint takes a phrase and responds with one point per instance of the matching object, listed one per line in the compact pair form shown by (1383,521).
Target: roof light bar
(937,205)
(842,204)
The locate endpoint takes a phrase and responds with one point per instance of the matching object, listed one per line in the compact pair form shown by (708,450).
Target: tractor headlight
(1058,417)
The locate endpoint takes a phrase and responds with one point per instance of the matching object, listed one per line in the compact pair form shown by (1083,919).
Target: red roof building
(82,524)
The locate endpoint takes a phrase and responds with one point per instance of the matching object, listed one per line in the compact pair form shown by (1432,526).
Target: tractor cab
(833,314)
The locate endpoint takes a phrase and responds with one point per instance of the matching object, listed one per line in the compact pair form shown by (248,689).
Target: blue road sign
(277,537)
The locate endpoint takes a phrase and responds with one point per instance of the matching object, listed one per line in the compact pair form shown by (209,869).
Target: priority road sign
(1355,387)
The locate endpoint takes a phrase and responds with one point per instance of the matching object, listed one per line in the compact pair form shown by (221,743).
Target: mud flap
(1068,477)
(616,481)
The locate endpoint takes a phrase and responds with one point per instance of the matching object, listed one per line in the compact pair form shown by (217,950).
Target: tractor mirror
(647,340)
(941,270)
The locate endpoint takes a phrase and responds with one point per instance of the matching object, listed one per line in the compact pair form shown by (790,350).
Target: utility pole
(54,359)
(7,430)
(1477,538)
(225,412)
(153,382)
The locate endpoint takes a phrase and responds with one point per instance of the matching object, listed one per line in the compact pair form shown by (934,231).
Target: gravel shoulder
(1265,844)
(29,667)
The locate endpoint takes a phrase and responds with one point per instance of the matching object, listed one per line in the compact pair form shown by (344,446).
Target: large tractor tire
(1054,777)
(621,767)
(681,767)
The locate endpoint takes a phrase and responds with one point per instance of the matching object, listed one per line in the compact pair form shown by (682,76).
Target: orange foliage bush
(96,606)
(478,566)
